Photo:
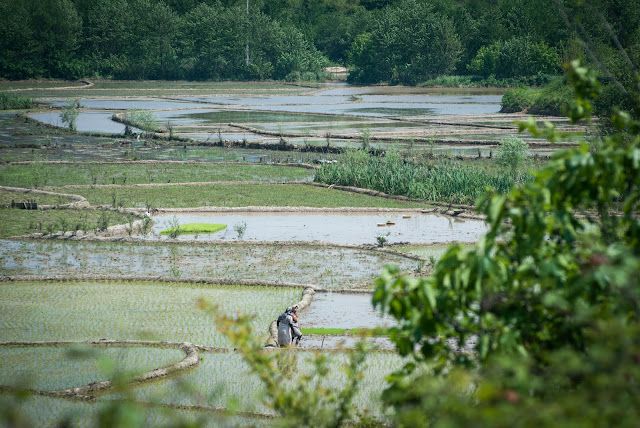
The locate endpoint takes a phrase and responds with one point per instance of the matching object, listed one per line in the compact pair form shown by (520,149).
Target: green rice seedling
(77,365)
(191,228)
(338,331)
(49,228)
(102,222)
(63,224)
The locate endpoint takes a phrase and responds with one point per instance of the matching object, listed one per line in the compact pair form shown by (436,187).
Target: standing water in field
(338,228)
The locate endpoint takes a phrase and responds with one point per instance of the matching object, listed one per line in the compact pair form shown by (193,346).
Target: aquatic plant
(240,229)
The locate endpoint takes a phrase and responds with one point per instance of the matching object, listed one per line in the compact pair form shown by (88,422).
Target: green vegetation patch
(551,99)
(444,180)
(14,101)
(42,174)
(236,195)
(17,222)
(194,228)
(338,331)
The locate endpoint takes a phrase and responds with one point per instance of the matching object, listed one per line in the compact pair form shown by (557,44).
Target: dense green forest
(393,41)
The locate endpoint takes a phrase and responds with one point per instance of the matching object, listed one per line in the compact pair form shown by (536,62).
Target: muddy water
(339,228)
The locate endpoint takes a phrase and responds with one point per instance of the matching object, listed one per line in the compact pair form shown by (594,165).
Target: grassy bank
(41,174)
(234,195)
(443,180)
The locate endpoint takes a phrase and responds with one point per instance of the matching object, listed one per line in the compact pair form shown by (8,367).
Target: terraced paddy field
(217,154)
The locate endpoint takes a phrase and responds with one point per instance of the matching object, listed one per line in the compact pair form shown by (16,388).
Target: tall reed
(444,180)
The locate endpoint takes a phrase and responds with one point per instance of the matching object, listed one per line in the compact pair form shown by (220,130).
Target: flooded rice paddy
(331,268)
(336,113)
(342,310)
(337,228)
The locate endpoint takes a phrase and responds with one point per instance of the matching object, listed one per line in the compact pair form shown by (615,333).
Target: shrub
(70,113)
(511,153)
(516,57)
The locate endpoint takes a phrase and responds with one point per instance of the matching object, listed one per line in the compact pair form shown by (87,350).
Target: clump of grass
(13,101)
(240,229)
(192,228)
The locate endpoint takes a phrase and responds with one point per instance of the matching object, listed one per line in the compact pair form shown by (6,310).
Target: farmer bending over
(288,327)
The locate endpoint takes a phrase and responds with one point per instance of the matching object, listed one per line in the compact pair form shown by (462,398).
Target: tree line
(393,41)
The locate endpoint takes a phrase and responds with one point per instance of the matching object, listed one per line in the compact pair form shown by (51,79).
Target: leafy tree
(516,57)
(408,44)
(550,294)
(70,113)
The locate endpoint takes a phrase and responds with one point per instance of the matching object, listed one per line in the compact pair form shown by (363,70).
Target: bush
(552,99)
(516,57)
(511,153)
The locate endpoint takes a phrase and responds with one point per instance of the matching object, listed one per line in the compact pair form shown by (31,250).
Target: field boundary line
(159,278)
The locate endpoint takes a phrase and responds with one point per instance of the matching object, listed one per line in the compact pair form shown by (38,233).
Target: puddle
(93,121)
(342,310)
(338,228)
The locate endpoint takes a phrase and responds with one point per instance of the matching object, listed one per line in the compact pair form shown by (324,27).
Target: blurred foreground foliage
(549,296)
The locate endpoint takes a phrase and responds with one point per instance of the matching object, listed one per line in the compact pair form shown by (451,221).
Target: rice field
(18,222)
(92,310)
(234,195)
(47,174)
(108,171)
(324,267)
(48,412)
(210,384)
(60,367)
